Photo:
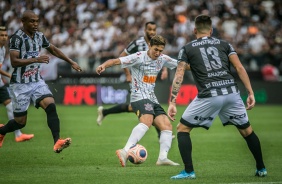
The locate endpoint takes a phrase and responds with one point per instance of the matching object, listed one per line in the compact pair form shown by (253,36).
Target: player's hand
(171,111)
(100,69)
(43,59)
(75,66)
(164,74)
(250,102)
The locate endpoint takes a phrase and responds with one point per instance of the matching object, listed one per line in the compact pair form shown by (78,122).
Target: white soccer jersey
(2,57)
(144,72)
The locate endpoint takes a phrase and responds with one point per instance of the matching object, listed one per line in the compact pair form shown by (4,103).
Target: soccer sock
(10,114)
(137,133)
(11,126)
(185,149)
(116,109)
(165,143)
(254,146)
(53,121)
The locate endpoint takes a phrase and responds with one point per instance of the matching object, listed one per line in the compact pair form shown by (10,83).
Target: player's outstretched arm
(58,53)
(245,79)
(177,81)
(111,62)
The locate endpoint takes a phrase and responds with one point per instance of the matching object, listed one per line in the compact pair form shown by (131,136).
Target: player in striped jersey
(140,44)
(145,66)
(26,83)
(210,59)
(4,93)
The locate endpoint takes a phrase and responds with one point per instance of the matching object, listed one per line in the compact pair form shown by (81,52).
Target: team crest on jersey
(148,107)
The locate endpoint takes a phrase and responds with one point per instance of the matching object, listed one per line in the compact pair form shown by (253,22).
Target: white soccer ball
(137,154)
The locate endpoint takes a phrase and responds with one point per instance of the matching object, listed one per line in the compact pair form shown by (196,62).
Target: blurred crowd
(91,31)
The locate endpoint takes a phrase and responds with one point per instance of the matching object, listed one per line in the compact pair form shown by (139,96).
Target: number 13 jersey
(209,61)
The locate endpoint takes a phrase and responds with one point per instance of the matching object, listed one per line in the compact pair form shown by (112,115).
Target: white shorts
(22,94)
(230,108)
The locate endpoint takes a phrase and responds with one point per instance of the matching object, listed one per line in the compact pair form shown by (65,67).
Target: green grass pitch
(220,155)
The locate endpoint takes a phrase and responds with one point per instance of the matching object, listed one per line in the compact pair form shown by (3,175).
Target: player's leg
(19,136)
(42,97)
(185,149)
(199,113)
(145,121)
(234,112)
(120,108)
(20,112)
(162,123)
(255,148)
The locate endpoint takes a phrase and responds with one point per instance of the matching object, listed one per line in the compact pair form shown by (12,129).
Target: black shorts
(4,94)
(146,106)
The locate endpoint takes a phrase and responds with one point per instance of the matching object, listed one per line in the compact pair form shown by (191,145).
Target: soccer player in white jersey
(5,98)
(209,60)
(26,83)
(140,44)
(145,66)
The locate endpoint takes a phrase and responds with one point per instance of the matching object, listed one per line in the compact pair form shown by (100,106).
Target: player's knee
(50,108)
(20,117)
(182,128)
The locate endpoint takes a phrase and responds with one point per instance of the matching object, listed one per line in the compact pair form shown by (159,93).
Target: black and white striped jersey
(137,45)
(209,61)
(27,48)
(2,57)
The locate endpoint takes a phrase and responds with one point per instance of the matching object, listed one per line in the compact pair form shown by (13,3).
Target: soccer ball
(137,154)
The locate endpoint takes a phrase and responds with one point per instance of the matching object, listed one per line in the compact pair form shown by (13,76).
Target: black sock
(116,109)
(159,132)
(185,149)
(254,146)
(53,121)
(11,126)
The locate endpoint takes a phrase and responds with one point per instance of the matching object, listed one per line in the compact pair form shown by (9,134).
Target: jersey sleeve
(129,60)
(131,48)
(170,62)
(182,55)
(15,43)
(45,42)
(230,49)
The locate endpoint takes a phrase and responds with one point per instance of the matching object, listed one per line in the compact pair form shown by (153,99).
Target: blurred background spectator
(91,31)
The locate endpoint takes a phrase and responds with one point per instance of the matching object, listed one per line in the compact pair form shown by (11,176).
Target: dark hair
(150,22)
(203,23)
(157,40)
(3,28)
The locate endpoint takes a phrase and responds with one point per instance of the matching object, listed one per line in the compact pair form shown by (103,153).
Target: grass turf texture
(220,154)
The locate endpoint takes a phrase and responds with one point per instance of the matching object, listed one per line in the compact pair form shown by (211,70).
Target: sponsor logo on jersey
(30,72)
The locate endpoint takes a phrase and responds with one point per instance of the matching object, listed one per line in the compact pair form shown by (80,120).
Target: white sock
(165,143)
(137,133)
(10,114)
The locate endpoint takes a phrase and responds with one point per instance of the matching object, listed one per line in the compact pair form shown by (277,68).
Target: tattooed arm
(177,81)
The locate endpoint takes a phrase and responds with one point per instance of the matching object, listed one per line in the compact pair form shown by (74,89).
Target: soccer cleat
(122,156)
(100,115)
(24,137)
(184,175)
(61,144)
(166,161)
(261,173)
(1,137)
